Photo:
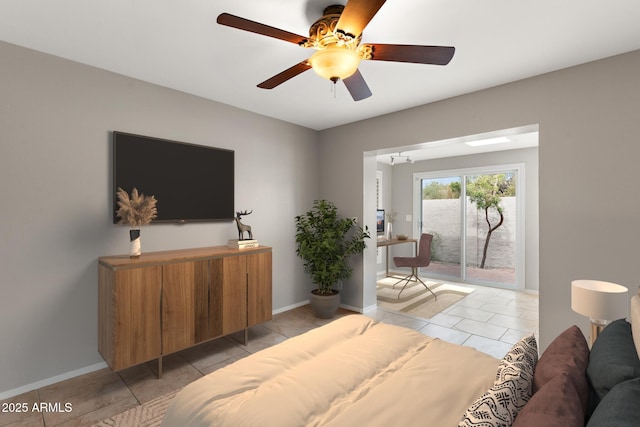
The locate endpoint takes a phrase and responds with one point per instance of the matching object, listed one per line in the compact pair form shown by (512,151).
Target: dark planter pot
(324,306)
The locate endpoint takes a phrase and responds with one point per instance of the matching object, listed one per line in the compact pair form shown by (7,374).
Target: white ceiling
(177,44)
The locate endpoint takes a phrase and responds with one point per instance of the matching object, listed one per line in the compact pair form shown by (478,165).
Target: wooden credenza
(163,302)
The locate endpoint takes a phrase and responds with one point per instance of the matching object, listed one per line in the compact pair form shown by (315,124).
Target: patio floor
(496,275)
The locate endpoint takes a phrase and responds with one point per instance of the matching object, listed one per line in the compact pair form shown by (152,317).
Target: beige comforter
(352,372)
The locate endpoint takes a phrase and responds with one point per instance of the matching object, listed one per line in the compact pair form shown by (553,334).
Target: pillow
(635,320)
(619,407)
(499,406)
(556,404)
(525,351)
(613,360)
(569,354)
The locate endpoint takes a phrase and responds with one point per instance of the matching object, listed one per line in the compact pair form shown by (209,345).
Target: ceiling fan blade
(287,74)
(357,14)
(258,28)
(437,55)
(357,87)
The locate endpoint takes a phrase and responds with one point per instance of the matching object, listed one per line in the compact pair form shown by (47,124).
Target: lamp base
(596,327)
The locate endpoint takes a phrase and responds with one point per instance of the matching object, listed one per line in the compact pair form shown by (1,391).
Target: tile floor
(490,320)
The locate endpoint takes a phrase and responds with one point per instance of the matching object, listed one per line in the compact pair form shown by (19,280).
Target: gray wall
(587,117)
(55,182)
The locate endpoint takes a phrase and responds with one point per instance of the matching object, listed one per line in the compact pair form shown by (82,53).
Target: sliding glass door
(476,219)
(441,216)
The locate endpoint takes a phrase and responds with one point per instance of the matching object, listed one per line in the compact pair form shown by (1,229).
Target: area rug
(416,300)
(149,414)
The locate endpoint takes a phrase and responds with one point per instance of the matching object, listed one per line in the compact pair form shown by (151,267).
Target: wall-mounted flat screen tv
(191,182)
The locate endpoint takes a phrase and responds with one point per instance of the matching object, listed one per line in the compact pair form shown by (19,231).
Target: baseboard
(43,383)
(351,308)
(300,304)
(370,308)
(289,307)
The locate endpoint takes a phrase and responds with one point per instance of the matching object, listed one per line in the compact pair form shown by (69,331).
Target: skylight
(490,141)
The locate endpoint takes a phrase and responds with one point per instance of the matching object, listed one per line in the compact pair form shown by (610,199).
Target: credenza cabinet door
(228,295)
(259,300)
(129,315)
(184,305)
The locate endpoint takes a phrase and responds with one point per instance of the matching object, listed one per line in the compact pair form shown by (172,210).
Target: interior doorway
(491,314)
(396,180)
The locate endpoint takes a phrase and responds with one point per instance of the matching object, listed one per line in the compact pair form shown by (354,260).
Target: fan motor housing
(323,34)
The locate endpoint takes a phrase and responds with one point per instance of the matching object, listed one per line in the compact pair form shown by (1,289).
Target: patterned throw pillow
(511,391)
(525,350)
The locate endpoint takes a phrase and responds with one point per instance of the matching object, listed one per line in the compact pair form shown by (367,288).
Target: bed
(355,371)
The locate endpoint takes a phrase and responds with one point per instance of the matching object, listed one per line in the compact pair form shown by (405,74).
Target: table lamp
(600,301)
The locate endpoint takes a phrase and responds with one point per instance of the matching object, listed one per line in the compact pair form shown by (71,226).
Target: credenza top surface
(162,257)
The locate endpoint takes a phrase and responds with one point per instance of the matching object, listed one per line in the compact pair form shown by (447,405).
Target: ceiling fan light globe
(335,63)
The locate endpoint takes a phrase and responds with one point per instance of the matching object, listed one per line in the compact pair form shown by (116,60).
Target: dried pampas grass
(136,210)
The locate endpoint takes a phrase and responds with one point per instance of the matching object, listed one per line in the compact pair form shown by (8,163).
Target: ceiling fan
(336,36)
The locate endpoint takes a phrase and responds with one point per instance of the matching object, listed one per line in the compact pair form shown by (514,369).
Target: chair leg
(407,278)
(414,273)
(425,285)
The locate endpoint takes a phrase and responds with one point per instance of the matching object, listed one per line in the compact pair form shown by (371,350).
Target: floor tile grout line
(44,422)
(128,387)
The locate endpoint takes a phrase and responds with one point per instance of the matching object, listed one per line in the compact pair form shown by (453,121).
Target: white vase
(389,231)
(134,243)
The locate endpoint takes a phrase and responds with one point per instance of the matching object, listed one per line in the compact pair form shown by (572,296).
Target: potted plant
(325,243)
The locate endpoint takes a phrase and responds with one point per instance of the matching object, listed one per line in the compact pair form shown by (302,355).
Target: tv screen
(380,221)
(191,182)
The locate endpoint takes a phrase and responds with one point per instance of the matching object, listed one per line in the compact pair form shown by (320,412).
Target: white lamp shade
(599,300)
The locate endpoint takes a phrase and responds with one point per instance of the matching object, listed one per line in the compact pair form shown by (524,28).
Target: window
(476,218)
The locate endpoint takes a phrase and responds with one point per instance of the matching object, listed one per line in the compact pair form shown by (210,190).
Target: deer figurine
(242,227)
